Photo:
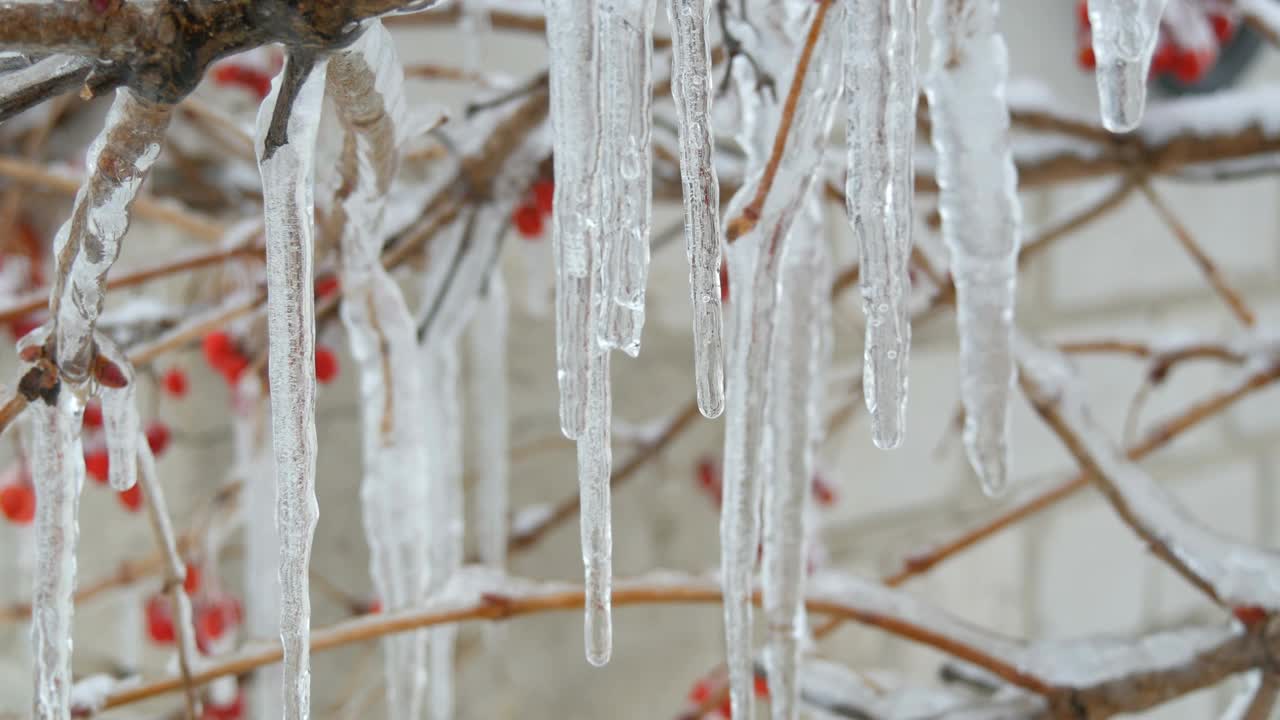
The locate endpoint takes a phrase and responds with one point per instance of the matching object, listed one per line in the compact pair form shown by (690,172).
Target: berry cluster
(1188,65)
(224,355)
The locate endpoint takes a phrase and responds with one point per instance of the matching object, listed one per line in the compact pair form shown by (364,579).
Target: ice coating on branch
(981,218)
(366,82)
(57,469)
(880,94)
(1124,38)
(120,423)
(691,90)
(795,422)
(87,245)
(575,122)
(286,161)
(754,259)
(625,29)
(489,417)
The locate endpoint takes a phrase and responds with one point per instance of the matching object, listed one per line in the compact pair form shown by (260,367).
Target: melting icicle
(880,90)
(87,245)
(120,421)
(287,126)
(756,255)
(574,106)
(487,388)
(57,467)
(795,422)
(1124,38)
(366,82)
(595,462)
(981,218)
(691,90)
(625,29)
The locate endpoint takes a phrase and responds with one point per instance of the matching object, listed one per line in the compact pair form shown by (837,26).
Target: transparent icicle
(87,245)
(367,84)
(880,93)
(57,468)
(756,255)
(691,90)
(595,463)
(981,217)
(442,421)
(487,391)
(120,422)
(286,161)
(1124,39)
(625,29)
(574,106)
(795,387)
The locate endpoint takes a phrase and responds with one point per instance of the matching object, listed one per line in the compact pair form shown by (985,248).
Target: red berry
(1250,615)
(97,465)
(233,710)
(528,221)
(724,283)
(158,437)
(175,382)
(1087,59)
(219,349)
(191,583)
(823,493)
(726,709)
(761,686)
(326,365)
(159,620)
(108,374)
(22,326)
(100,5)
(709,479)
(327,286)
(18,502)
(1165,58)
(544,192)
(255,81)
(1191,66)
(234,369)
(374,607)
(701,692)
(1082,13)
(93,415)
(1222,27)
(211,622)
(131,499)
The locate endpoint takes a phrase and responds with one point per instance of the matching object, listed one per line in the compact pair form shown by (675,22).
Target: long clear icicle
(57,468)
(756,255)
(120,423)
(880,93)
(981,217)
(88,244)
(487,391)
(691,90)
(795,421)
(574,104)
(595,462)
(286,161)
(367,84)
(625,29)
(1124,39)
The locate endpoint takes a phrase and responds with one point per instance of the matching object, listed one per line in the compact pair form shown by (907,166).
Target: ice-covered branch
(29,86)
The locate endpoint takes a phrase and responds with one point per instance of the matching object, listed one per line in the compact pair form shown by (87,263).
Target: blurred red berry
(1222,27)
(1082,13)
(97,465)
(823,492)
(544,192)
(373,607)
(211,623)
(1191,66)
(108,374)
(701,692)
(1165,59)
(219,349)
(101,5)
(253,80)
(327,286)
(159,620)
(158,437)
(93,415)
(175,382)
(326,365)
(1087,59)
(761,686)
(22,326)
(726,709)
(191,583)
(18,502)
(232,371)
(528,221)
(131,499)
(708,474)
(724,283)
(1250,615)
(233,710)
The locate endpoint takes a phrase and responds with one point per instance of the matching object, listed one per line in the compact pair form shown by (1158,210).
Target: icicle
(795,387)
(691,90)
(625,29)
(57,466)
(366,83)
(487,390)
(287,126)
(595,462)
(575,125)
(981,217)
(880,91)
(755,255)
(87,244)
(1124,38)
(120,421)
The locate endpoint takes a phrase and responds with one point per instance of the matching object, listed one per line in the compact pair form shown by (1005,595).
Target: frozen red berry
(159,620)
(1082,13)
(219,348)
(191,583)
(18,503)
(528,221)
(1192,65)
(761,686)
(1249,615)
(327,286)
(131,499)
(175,382)
(544,192)
(701,692)
(93,415)
(326,365)
(233,710)
(97,464)
(158,437)
(1223,29)
(1087,59)
(242,76)
(108,374)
